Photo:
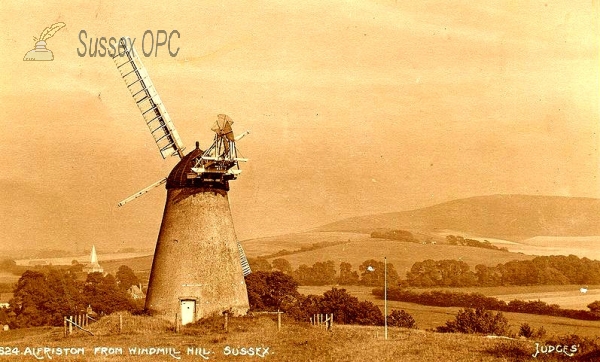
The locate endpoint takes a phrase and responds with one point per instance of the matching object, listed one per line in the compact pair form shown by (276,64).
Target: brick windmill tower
(199,266)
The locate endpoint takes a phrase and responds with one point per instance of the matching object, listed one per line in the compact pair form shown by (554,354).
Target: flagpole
(385,295)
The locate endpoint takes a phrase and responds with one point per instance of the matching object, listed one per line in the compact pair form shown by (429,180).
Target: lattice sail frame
(146,97)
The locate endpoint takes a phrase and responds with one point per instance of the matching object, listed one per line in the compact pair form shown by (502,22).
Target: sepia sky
(355,107)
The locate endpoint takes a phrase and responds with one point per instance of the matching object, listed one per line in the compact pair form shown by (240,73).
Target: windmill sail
(144,93)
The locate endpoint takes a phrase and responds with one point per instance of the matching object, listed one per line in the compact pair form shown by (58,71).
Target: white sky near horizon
(354,107)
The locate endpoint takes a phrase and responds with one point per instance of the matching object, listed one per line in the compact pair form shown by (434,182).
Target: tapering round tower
(198,267)
(196,270)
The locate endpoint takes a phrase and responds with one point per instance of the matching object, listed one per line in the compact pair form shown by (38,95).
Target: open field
(6,277)
(572,299)
(295,342)
(428,317)
(291,242)
(138,265)
(402,254)
(581,246)
(82,258)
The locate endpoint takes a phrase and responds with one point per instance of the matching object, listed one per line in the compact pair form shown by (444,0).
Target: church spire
(93,266)
(93,256)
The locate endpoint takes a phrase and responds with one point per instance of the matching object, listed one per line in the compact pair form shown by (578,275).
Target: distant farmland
(402,254)
(82,259)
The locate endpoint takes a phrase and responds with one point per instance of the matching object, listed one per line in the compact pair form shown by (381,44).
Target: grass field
(6,277)
(402,254)
(82,259)
(567,296)
(295,342)
(138,265)
(291,242)
(428,317)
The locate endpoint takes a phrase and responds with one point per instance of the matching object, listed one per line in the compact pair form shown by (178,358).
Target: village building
(4,299)
(135,292)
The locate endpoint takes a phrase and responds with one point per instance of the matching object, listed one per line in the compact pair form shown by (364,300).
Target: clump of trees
(478,321)
(43,298)
(443,273)
(126,277)
(399,235)
(459,240)
(321,273)
(272,291)
(9,265)
(595,307)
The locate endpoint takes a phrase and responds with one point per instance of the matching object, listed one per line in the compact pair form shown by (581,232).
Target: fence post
(70,324)
(226,314)
(331,321)
(278,320)
(65,325)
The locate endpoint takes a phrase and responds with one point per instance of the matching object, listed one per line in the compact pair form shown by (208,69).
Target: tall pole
(385,295)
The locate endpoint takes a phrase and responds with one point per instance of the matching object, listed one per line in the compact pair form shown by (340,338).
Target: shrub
(587,349)
(515,351)
(347,309)
(478,321)
(539,333)
(399,318)
(528,332)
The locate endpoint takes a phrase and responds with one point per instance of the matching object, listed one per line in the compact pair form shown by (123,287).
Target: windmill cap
(178,178)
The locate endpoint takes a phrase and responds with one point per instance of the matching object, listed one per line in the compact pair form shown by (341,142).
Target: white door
(188,308)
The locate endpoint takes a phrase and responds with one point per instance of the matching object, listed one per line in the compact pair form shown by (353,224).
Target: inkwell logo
(40,52)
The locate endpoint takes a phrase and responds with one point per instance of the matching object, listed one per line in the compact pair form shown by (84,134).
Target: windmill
(199,266)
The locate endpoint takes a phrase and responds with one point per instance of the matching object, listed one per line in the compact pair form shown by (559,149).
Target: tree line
(369,273)
(542,270)
(44,297)
(477,300)
(459,240)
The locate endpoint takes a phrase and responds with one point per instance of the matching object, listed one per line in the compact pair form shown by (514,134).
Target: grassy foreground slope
(295,342)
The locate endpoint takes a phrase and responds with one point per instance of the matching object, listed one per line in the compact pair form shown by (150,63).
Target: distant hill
(510,217)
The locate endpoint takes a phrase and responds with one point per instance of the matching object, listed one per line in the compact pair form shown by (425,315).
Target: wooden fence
(322,320)
(279,313)
(80,321)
